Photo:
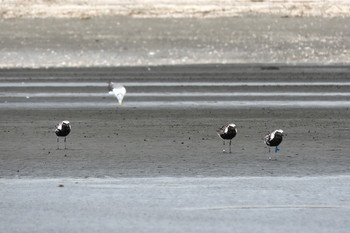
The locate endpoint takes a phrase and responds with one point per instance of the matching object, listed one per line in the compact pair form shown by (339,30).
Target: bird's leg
(223,146)
(276,150)
(269,153)
(230,146)
(65,139)
(58,144)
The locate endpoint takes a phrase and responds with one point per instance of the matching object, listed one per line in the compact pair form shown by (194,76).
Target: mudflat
(149,142)
(168,124)
(156,164)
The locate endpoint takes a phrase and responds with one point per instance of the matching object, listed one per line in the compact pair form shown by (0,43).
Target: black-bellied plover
(274,139)
(62,130)
(227,132)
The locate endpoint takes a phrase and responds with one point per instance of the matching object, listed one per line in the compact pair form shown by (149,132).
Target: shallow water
(208,204)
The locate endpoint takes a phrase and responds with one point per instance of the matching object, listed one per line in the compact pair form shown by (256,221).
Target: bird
(274,139)
(227,132)
(118,90)
(62,130)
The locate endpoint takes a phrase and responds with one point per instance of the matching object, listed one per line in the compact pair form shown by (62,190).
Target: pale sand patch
(170,8)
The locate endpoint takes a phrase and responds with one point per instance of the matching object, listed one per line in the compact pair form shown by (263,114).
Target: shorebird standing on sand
(274,139)
(118,90)
(62,130)
(227,132)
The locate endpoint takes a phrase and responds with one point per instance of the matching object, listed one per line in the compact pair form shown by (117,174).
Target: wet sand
(156,164)
(178,138)
(149,168)
(165,142)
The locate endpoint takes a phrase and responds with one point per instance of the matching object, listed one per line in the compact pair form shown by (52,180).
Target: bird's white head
(279,131)
(232,125)
(65,122)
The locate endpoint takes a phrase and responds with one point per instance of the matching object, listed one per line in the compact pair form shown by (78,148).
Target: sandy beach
(170,9)
(121,38)
(156,164)
(158,133)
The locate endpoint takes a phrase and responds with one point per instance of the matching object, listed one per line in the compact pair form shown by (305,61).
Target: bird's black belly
(276,141)
(229,135)
(63,132)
